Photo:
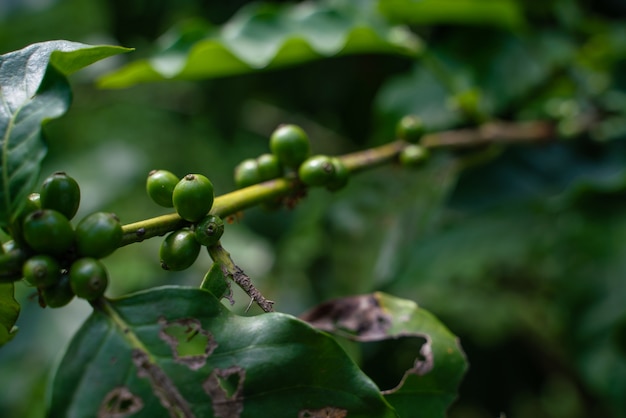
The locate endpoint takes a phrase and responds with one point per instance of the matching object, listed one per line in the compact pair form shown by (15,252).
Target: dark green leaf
(33,89)
(9,310)
(265,37)
(430,386)
(179,350)
(502,13)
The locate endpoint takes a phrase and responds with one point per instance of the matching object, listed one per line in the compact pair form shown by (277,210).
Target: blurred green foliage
(521,256)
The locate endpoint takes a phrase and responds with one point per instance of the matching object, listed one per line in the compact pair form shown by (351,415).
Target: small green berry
(61,193)
(269,167)
(41,270)
(88,278)
(179,250)
(193,197)
(247,173)
(48,232)
(209,230)
(410,128)
(59,294)
(98,235)
(342,175)
(317,171)
(33,203)
(160,187)
(290,144)
(413,155)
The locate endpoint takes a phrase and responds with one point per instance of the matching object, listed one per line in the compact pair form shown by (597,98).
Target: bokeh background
(519,251)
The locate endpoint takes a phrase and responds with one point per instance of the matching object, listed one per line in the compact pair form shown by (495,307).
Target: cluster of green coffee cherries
(63,261)
(291,154)
(411,129)
(192,197)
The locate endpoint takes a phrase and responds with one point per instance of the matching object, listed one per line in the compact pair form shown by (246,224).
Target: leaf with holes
(33,90)
(176,351)
(431,384)
(263,36)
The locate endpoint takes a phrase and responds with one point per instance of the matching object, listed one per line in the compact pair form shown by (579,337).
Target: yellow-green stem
(231,203)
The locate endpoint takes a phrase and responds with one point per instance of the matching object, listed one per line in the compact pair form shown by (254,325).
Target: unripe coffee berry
(160,187)
(41,270)
(247,173)
(193,197)
(290,144)
(61,193)
(88,278)
(179,250)
(59,294)
(32,203)
(413,155)
(410,128)
(342,175)
(98,235)
(209,230)
(317,171)
(269,167)
(48,232)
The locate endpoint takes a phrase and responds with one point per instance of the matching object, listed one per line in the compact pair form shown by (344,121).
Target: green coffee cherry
(468,102)
(247,173)
(290,144)
(98,235)
(179,250)
(9,246)
(413,155)
(160,187)
(41,270)
(269,167)
(33,203)
(48,232)
(317,171)
(88,278)
(59,294)
(342,175)
(209,230)
(410,128)
(61,193)
(193,197)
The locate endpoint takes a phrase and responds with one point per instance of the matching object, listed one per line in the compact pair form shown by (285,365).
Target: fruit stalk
(222,257)
(233,202)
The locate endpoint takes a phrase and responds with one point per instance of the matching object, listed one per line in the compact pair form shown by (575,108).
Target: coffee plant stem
(233,202)
(223,206)
(491,133)
(222,257)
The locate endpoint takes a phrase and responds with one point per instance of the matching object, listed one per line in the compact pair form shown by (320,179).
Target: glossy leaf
(179,352)
(265,37)
(501,13)
(33,90)
(9,310)
(427,388)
